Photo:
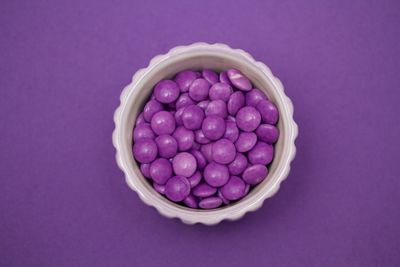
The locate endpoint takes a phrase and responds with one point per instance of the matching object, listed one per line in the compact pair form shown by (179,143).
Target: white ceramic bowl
(199,56)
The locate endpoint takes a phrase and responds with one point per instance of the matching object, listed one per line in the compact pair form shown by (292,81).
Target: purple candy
(145,150)
(163,123)
(267,133)
(145,169)
(191,202)
(184,164)
(269,112)
(254,96)
(223,151)
(184,138)
(199,89)
(192,117)
(194,179)
(183,101)
(231,118)
(234,189)
(246,190)
(160,170)
(255,174)
(200,137)
(204,190)
(206,150)
(143,131)
(236,101)
(166,91)
(196,146)
(210,76)
(248,119)
(160,188)
(177,188)
(167,146)
(178,116)
(220,91)
(224,200)
(218,108)
(238,165)
(223,78)
(213,127)
(151,108)
(184,79)
(140,119)
(239,80)
(203,104)
(262,153)
(200,159)
(231,131)
(246,141)
(210,203)
(216,174)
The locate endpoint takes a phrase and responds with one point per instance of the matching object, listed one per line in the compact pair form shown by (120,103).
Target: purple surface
(64,202)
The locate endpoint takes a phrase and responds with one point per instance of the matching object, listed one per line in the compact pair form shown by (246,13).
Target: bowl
(200,56)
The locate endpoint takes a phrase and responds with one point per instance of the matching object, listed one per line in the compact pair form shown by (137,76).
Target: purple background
(64,202)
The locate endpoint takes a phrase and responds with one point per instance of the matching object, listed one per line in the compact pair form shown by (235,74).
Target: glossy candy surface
(205,139)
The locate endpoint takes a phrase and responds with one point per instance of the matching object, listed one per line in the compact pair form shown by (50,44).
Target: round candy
(223,151)
(160,170)
(184,164)
(248,119)
(210,203)
(199,89)
(140,119)
(167,146)
(231,131)
(196,146)
(220,91)
(234,189)
(151,108)
(143,131)
(160,188)
(184,138)
(239,80)
(238,165)
(194,179)
(231,118)
(224,200)
(145,169)
(200,137)
(269,112)
(177,188)
(261,153)
(184,79)
(267,133)
(192,117)
(200,159)
(255,174)
(191,202)
(163,123)
(178,116)
(223,78)
(246,141)
(166,91)
(247,189)
(216,174)
(213,127)
(183,101)
(210,76)
(236,101)
(254,96)
(203,104)
(206,150)
(217,107)
(145,150)
(204,190)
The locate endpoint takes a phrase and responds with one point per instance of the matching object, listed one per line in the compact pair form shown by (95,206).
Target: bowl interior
(196,60)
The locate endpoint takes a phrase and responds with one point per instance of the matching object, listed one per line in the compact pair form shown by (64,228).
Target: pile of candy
(205,139)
